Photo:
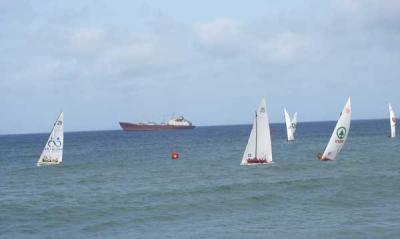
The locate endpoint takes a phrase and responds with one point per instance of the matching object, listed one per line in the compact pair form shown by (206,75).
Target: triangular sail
(392,122)
(289,126)
(340,133)
(259,145)
(53,150)
(294,123)
(250,151)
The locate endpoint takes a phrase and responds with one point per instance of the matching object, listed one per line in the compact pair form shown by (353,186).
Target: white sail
(259,145)
(294,123)
(392,122)
(53,150)
(250,150)
(289,126)
(340,133)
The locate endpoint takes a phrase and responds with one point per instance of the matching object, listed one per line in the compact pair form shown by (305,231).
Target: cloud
(219,31)
(283,47)
(228,38)
(187,65)
(86,39)
(16,11)
(366,15)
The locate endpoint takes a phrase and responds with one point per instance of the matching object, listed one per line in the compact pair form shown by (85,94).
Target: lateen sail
(290,125)
(53,150)
(340,133)
(258,149)
(392,122)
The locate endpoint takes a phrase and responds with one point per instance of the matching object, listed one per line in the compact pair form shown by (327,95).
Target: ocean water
(115,184)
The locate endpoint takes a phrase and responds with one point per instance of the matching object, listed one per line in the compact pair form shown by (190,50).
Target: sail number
(56,143)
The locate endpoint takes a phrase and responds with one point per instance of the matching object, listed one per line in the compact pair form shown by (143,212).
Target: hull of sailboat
(250,164)
(48,163)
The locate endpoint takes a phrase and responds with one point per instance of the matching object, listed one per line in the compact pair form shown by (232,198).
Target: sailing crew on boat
(319,157)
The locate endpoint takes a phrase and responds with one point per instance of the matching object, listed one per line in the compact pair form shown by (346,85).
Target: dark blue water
(123,185)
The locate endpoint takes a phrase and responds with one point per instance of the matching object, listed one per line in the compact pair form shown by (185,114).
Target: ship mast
(256,136)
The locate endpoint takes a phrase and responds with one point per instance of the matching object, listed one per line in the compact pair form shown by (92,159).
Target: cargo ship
(174,123)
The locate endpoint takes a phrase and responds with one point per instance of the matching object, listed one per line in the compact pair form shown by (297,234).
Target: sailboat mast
(256,136)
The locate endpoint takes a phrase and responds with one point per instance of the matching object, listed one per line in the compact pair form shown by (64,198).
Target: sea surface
(115,184)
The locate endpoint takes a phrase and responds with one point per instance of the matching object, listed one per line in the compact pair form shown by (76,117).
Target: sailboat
(290,125)
(339,134)
(258,149)
(392,122)
(53,150)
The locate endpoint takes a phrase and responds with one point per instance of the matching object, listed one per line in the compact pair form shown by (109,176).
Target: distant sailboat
(290,125)
(392,122)
(339,135)
(258,149)
(294,122)
(53,150)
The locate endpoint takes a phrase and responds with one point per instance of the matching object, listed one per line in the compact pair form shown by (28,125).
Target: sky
(103,61)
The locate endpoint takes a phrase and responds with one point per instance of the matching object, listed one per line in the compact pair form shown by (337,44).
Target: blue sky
(107,61)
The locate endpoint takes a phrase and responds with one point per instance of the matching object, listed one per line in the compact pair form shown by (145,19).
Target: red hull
(256,161)
(145,127)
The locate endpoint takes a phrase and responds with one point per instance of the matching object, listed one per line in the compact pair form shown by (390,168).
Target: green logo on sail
(341,132)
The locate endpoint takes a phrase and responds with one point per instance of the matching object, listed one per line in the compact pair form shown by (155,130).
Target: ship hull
(143,127)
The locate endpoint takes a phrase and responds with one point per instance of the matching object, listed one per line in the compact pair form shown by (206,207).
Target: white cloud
(86,38)
(324,47)
(228,38)
(366,15)
(283,47)
(139,49)
(219,31)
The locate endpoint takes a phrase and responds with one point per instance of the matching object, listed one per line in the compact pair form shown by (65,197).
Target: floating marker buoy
(174,155)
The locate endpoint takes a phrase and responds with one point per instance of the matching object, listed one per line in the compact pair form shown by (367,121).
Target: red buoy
(174,155)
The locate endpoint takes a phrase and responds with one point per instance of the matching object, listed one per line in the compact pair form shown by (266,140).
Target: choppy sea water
(115,184)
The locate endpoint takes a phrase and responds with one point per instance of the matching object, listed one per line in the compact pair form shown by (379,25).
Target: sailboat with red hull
(258,149)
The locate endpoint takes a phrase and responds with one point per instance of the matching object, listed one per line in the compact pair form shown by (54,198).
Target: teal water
(123,185)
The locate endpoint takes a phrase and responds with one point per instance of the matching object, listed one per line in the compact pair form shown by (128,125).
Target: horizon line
(197,126)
